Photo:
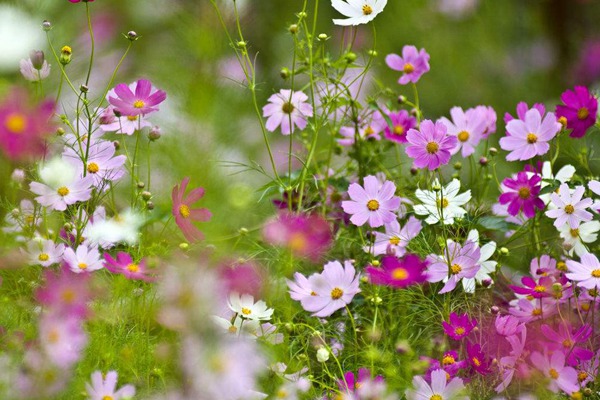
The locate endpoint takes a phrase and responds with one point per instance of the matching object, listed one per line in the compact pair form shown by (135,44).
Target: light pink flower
(396,239)
(413,64)
(586,273)
(102,164)
(184,214)
(139,98)
(440,387)
(103,388)
(458,262)
(570,207)
(84,259)
(62,339)
(468,127)
(561,376)
(79,189)
(375,203)
(529,137)
(287,109)
(45,252)
(125,266)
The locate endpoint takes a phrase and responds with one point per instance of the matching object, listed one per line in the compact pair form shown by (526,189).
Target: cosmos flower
(35,68)
(412,64)
(468,127)
(139,98)
(184,215)
(521,194)
(244,306)
(124,265)
(287,109)
(395,239)
(374,203)
(486,266)
(84,259)
(102,164)
(45,252)
(402,122)
(570,207)
(459,326)
(65,293)
(458,262)
(430,147)
(586,273)
(62,338)
(477,359)
(104,387)
(352,382)
(529,137)
(443,205)
(579,110)
(440,388)
(396,272)
(561,377)
(367,128)
(358,12)
(575,239)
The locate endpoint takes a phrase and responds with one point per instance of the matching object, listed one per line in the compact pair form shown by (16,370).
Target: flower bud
(146,195)
(495,310)
(150,205)
(154,133)
(293,29)
(184,246)
(350,57)
(117,144)
(301,14)
(60,131)
(132,35)
(18,175)
(243,231)
(493,151)
(84,89)
(322,37)
(414,170)
(242,44)
(458,165)
(46,25)
(483,161)
(402,99)
(141,185)
(504,251)
(322,354)
(65,55)
(372,53)
(37,59)
(285,73)
(403,347)
(375,263)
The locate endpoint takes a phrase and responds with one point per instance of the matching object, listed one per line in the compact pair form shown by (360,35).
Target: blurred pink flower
(413,64)
(125,266)
(104,388)
(184,215)
(287,109)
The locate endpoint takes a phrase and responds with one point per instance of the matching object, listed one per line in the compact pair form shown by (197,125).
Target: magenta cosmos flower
(579,110)
(529,137)
(333,289)
(430,147)
(139,98)
(412,64)
(459,326)
(375,202)
(477,359)
(521,194)
(398,273)
(23,128)
(352,382)
(184,215)
(124,265)
(287,109)
(402,122)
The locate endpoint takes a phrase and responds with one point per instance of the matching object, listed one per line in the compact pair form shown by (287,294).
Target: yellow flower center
(574,232)
(297,242)
(367,10)
(583,113)
(246,311)
(232,329)
(596,273)
(68,295)
(455,269)
(82,266)
(132,118)
(394,240)
(524,193)
(107,398)
(92,168)
(184,211)
(138,104)
(287,107)
(582,376)
(567,343)
(63,191)
(476,361)
(373,205)
(133,268)
(15,123)
(436,397)
(53,336)
(399,274)
(536,312)
(463,136)
(563,121)
(448,360)
(408,68)
(532,138)
(398,130)
(432,147)
(586,306)
(569,209)
(553,373)
(43,257)
(561,265)
(459,331)
(336,293)
(593,292)
(443,203)
(282,394)
(369,130)
(539,289)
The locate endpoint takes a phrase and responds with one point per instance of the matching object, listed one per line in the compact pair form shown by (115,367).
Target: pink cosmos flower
(126,125)
(184,215)
(334,288)
(104,387)
(579,110)
(69,190)
(395,239)
(561,376)
(368,128)
(412,64)
(459,326)
(287,109)
(302,287)
(35,68)
(241,277)
(490,117)
(570,207)
(375,202)
(521,194)
(586,273)
(529,137)
(402,122)
(352,382)
(458,262)
(396,272)
(84,259)
(477,359)
(23,128)
(530,310)
(430,147)
(62,339)
(124,265)
(306,235)
(102,164)
(65,293)
(468,127)
(522,109)
(566,340)
(139,98)
(507,325)
(537,290)
(440,388)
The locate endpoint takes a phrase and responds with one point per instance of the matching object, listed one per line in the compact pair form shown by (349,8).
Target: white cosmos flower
(444,204)
(563,175)
(244,306)
(487,266)
(575,238)
(357,11)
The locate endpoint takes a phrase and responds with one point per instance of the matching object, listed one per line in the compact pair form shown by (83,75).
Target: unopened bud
(141,185)
(322,37)
(46,25)
(350,57)
(60,131)
(301,14)
(285,73)
(150,205)
(483,161)
(495,310)
(117,144)
(84,89)
(243,231)
(414,112)
(403,347)
(37,59)
(184,246)
(486,283)
(436,187)
(401,99)
(375,263)
(414,170)
(242,44)
(504,251)
(458,165)
(293,29)
(493,151)
(154,133)
(146,195)
(18,175)
(322,355)
(132,35)
(65,55)
(372,53)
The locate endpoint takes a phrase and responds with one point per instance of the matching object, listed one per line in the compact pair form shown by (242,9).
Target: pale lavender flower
(440,388)
(102,164)
(287,109)
(374,203)
(104,388)
(126,125)
(468,127)
(529,137)
(62,339)
(84,259)
(458,262)
(570,207)
(368,129)
(586,273)
(561,377)
(35,68)
(396,239)
(45,252)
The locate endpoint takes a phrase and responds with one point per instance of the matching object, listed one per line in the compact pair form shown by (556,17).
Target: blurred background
(482,52)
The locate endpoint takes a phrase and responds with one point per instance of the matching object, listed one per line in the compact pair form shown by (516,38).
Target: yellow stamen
(287,107)
(43,257)
(563,121)
(367,10)
(455,269)
(246,311)
(66,50)
(463,136)
(532,138)
(553,373)
(524,193)
(459,331)
(536,312)
(448,360)
(139,104)
(63,191)
(596,273)
(68,295)
(476,361)
(399,274)
(82,266)
(432,147)
(15,123)
(574,232)
(373,205)
(92,168)
(569,209)
(443,203)
(133,268)
(408,68)
(184,211)
(583,113)
(394,240)
(336,293)
(436,397)
(398,130)
(539,289)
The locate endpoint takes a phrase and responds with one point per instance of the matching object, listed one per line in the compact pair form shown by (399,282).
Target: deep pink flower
(23,128)
(243,277)
(398,272)
(66,293)
(287,109)
(125,266)
(579,110)
(521,194)
(566,340)
(184,215)
(449,362)
(412,64)
(352,382)
(529,137)
(522,109)
(537,290)
(431,146)
(477,359)
(402,122)
(139,98)
(468,127)
(374,203)
(459,326)
(507,325)
(305,235)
